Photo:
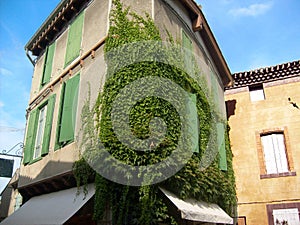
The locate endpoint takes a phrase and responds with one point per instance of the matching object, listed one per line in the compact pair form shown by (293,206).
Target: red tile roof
(267,74)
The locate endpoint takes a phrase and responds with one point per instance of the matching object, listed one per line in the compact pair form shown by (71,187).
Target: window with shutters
(283,214)
(49,55)
(274,153)
(286,216)
(74,39)
(39,131)
(68,111)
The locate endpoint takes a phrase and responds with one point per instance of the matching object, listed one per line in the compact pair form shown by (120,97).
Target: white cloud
(251,10)
(1,104)
(5,72)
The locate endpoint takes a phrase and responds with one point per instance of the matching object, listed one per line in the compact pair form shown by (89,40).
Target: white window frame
(40,132)
(275,155)
(291,216)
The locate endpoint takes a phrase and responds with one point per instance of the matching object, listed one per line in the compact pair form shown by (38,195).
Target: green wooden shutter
(193,121)
(48,125)
(30,137)
(61,101)
(188,47)
(221,145)
(74,39)
(69,109)
(48,63)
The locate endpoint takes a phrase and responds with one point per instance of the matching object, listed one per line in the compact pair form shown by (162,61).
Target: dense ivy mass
(143,205)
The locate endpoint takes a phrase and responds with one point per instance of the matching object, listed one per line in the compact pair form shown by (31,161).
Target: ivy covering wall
(143,204)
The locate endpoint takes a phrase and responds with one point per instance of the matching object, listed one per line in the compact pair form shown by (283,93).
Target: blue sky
(250,33)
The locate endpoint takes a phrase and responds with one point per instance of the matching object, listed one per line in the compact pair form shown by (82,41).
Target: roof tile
(267,74)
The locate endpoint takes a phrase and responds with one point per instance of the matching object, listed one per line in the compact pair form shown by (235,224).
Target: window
(283,214)
(286,216)
(274,153)
(74,39)
(256,92)
(48,64)
(68,110)
(39,131)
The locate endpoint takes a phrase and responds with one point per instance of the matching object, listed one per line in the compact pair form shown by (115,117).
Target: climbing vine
(143,205)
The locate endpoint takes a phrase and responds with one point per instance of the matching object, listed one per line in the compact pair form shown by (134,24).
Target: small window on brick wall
(274,153)
(256,92)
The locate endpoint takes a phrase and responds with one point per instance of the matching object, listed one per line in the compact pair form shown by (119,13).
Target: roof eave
(45,24)
(200,24)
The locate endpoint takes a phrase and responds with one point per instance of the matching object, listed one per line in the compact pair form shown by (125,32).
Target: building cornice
(68,9)
(200,24)
(56,22)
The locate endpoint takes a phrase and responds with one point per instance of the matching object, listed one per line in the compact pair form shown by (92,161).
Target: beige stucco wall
(171,17)
(273,112)
(92,72)
(59,55)
(60,161)
(55,162)
(140,6)
(95,23)
(36,77)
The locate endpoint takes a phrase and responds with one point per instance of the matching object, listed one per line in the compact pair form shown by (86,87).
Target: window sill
(35,160)
(275,175)
(59,146)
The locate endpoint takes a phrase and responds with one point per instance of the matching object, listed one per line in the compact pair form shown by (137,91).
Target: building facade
(264,117)
(68,49)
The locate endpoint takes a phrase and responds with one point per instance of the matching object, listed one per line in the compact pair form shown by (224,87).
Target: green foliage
(142,205)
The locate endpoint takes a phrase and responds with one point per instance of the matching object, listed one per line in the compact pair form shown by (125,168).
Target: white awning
(193,210)
(50,209)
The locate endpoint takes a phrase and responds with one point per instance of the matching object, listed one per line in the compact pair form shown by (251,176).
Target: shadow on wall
(230,108)
(54,176)
(4,203)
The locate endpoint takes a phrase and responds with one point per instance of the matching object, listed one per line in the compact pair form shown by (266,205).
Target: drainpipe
(30,59)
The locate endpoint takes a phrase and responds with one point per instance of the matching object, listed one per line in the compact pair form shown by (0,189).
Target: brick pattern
(267,74)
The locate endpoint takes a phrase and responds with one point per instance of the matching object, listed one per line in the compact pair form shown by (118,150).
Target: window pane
(274,153)
(269,154)
(48,125)
(40,132)
(286,216)
(280,153)
(256,93)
